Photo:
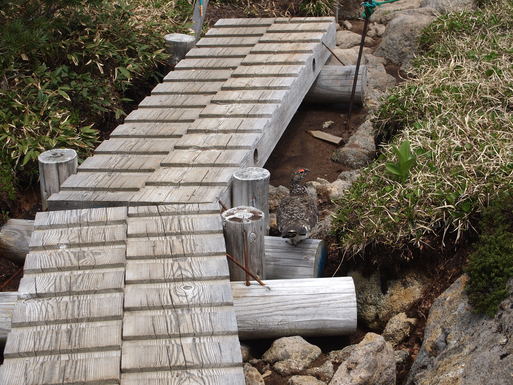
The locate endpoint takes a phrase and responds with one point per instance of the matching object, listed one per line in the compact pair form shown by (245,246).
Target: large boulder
(291,355)
(399,42)
(446,6)
(359,150)
(386,12)
(371,362)
(348,39)
(464,348)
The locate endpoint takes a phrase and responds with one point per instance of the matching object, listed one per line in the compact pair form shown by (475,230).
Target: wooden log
(15,238)
(250,187)
(55,166)
(285,261)
(177,45)
(306,307)
(244,230)
(198,17)
(334,85)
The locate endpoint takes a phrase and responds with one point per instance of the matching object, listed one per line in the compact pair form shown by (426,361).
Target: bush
(490,266)
(65,67)
(455,112)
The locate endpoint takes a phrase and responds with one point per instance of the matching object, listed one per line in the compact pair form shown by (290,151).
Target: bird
(297,213)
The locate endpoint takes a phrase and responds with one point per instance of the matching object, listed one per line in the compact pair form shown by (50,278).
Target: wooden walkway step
(226,105)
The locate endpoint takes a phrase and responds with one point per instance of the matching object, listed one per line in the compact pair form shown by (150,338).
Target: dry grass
(457,114)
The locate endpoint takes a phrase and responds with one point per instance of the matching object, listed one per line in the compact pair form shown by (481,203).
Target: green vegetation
(65,70)
(490,266)
(316,7)
(456,112)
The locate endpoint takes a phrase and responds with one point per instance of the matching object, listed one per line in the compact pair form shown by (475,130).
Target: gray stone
(399,42)
(378,78)
(246,352)
(252,375)
(347,24)
(327,124)
(291,355)
(371,362)
(386,12)
(347,56)
(398,328)
(446,6)
(339,356)
(337,189)
(376,308)
(304,380)
(276,194)
(380,29)
(324,372)
(348,39)
(349,176)
(464,348)
(401,356)
(359,150)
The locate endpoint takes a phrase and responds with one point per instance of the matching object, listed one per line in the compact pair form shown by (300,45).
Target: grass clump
(456,113)
(66,68)
(490,266)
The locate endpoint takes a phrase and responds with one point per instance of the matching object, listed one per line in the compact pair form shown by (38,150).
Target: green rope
(370,6)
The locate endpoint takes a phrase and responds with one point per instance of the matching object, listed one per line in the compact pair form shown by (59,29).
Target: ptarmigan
(297,213)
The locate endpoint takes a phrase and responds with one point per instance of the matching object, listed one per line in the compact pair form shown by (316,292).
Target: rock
(446,6)
(401,356)
(324,372)
(349,9)
(276,194)
(322,228)
(383,14)
(347,24)
(246,352)
(349,176)
(252,375)
(337,189)
(398,328)
(376,308)
(347,56)
(399,41)
(359,150)
(339,356)
(260,365)
(327,124)
(378,78)
(464,348)
(291,355)
(304,380)
(348,39)
(379,29)
(371,362)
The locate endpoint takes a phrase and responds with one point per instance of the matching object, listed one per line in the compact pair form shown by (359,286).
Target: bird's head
(299,175)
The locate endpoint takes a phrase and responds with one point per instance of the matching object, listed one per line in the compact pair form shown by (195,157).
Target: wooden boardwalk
(129,284)
(225,106)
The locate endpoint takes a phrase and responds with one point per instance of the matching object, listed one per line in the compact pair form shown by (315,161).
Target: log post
(250,187)
(334,85)
(244,230)
(55,166)
(306,307)
(15,239)
(177,45)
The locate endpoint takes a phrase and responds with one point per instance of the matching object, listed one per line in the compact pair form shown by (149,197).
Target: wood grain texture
(7,303)
(218,376)
(80,218)
(15,239)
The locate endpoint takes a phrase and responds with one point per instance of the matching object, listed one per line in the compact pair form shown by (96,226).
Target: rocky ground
(450,347)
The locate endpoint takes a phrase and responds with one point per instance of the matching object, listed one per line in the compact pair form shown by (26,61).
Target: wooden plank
(183,353)
(228,125)
(78,236)
(227,42)
(278,48)
(150,130)
(206,158)
(163,115)
(96,217)
(244,22)
(177,246)
(268,71)
(221,141)
(174,225)
(65,200)
(7,303)
(175,295)
(75,259)
(36,371)
(249,96)
(147,146)
(177,269)
(198,76)
(258,83)
(293,37)
(239,111)
(68,309)
(326,137)
(188,88)
(121,163)
(303,20)
(166,210)
(193,176)
(71,282)
(175,101)
(222,52)
(222,376)
(105,181)
(178,194)
(276,59)
(61,339)
(236,31)
(208,63)
(298,27)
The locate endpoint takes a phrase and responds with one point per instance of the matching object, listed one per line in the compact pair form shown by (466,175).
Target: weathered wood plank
(77,308)
(150,130)
(238,111)
(259,83)
(228,125)
(198,76)
(105,181)
(298,27)
(276,59)
(175,101)
(177,194)
(69,218)
(244,22)
(222,52)
(65,200)
(208,63)
(221,141)
(249,96)
(277,48)
(7,303)
(236,31)
(303,20)
(175,295)
(174,225)
(148,146)
(163,115)
(121,163)
(293,37)
(223,376)
(188,88)
(273,71)
(227,41)
(206,158)
(193,176)
(166,210)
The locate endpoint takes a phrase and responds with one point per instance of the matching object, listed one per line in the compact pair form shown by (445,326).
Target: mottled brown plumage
(297,213)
